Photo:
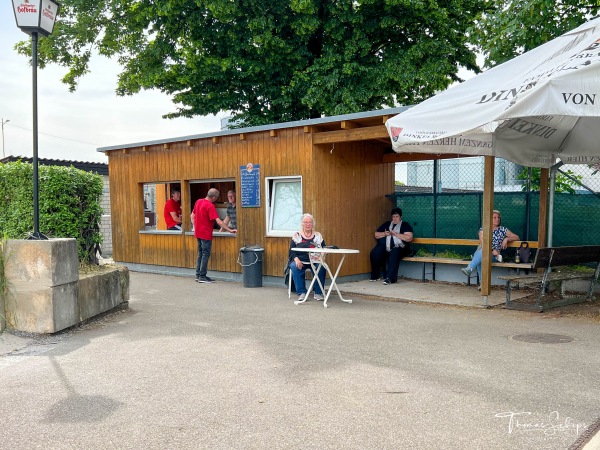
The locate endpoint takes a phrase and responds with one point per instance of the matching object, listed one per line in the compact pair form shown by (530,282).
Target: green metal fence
(576,219)
(456,212)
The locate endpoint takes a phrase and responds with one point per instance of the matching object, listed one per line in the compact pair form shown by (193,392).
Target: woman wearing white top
(299,261)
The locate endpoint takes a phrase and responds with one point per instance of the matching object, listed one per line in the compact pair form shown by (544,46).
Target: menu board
(250,178)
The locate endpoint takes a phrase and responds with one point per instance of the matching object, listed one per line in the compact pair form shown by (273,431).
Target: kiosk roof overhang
(369,125)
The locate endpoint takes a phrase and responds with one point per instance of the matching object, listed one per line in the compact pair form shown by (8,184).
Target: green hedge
(69,204)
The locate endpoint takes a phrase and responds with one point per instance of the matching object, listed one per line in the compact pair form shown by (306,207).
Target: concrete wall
(101,292)
(45,294)
(2,320)
(42,278)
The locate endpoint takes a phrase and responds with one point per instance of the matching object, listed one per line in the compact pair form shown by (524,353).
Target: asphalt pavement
(220,366)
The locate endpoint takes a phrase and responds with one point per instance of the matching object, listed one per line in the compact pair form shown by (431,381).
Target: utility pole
(3,122)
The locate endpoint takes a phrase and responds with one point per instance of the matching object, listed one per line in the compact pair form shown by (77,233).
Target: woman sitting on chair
(299,261)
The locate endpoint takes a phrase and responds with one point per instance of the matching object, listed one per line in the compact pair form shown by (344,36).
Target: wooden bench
(548,258)
(433,260)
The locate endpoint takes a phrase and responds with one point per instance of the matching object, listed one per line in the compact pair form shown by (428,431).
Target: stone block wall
(101,292)
(105,222)
(46,294)
(2,319)
(42,280)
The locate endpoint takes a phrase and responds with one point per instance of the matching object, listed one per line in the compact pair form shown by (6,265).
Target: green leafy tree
(563,183)
(512,27)
(269,61)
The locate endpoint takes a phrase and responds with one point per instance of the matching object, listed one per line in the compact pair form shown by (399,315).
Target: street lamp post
(35,17)
(3,122)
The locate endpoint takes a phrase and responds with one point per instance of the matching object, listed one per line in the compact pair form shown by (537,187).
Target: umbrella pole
(544,203)
(553,172)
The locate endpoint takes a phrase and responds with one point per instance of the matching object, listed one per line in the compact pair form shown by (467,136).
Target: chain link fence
(444,199)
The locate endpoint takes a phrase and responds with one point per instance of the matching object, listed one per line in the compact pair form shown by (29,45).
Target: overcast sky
(73,125)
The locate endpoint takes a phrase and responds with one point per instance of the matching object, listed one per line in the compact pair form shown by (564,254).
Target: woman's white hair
(310,216)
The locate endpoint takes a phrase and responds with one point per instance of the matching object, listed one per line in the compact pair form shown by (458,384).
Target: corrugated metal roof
(276,126)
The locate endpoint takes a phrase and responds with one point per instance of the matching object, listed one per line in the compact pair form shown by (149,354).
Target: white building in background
(467,174)
(459,173)
(227,123)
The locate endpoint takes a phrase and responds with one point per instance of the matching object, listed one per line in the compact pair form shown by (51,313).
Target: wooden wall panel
(345,189)
(352,203)
(162,249)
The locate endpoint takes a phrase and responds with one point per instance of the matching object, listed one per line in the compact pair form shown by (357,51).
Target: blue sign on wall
(250,178)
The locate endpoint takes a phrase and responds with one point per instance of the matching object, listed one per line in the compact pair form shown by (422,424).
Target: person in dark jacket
(393,243)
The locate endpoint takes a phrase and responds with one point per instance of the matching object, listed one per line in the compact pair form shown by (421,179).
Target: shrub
(69,204)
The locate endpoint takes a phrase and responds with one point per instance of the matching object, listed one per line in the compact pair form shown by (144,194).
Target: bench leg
(423,274)
(593,283)
(476,275)
(538,302)
(543,287)
(562,289)
(508,292)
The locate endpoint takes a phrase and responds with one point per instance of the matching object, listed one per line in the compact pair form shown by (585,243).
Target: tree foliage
(513,27)
(563,183)
(270,61)
(69,204)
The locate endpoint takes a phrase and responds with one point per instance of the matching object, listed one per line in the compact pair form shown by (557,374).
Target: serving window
(199,189)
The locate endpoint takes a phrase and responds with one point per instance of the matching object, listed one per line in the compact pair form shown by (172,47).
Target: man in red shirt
(172,211)
(203,217)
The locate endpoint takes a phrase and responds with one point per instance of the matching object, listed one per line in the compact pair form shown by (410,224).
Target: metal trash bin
(252,258)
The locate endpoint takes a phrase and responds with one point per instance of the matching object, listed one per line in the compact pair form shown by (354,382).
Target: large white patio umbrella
(533,109)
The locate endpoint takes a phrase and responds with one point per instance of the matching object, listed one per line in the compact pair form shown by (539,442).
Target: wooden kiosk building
(338,168)
(334,168)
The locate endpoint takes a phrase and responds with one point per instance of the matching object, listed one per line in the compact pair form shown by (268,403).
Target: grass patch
(86,268)
(444,254)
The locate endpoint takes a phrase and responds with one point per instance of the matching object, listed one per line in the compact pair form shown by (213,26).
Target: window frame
(271,187)
(154,206)
(208,181)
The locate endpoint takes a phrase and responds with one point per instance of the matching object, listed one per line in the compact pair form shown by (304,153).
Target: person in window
(501,236)
(393,243)
(231,218)
(299,262)
(172,211)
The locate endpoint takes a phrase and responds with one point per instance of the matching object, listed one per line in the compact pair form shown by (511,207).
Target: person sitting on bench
(501,236)
(393,244)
